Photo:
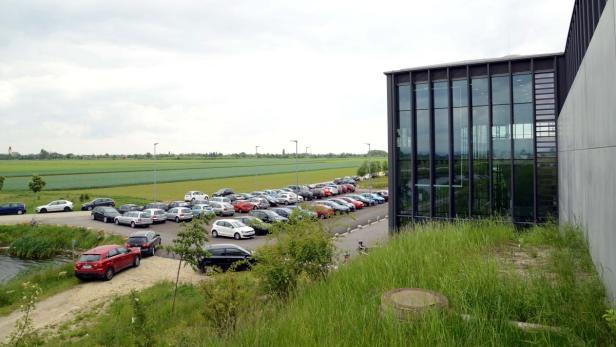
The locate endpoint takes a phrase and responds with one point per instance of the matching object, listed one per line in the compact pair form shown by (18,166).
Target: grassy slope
(466,262)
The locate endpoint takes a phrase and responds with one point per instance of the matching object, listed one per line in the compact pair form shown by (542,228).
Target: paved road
(168,230)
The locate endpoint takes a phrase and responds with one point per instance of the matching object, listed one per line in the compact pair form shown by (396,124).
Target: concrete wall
(587,149)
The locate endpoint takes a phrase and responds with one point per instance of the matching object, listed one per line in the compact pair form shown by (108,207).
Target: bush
(226,298)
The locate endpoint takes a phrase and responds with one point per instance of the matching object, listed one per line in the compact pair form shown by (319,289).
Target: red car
(358,204)
(327,192)
(243,206)
(105,261)
(323,211)
(350,188)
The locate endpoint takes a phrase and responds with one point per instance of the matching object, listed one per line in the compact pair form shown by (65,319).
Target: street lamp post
(307,150)
(296,167)
(155,144)
(256,167)
(369,170)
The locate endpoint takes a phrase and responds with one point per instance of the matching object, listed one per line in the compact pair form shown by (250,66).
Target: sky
(225,76)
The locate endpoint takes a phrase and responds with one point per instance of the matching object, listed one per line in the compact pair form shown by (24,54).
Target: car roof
(228,220)
(101,249)
(140,233)
(225,245)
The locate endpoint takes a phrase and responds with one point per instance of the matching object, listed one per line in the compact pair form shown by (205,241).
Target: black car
(283,211)
(224,192)
(147,240)
(302,191)
(261,228)
(384,194)
(317,193)
(105,214)
(89,206)
(129,207)
(270,199)
(268,216)
(225,255)
(157,205)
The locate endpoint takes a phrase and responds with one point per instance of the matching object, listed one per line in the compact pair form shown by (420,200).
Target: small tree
(385,166)
(1,182)
(36,184)
(24,333)
(363,169)
(375,167)
(188,245)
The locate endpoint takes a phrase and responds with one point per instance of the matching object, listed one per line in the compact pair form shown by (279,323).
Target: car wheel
(286,202)
(137,261)
(322,216)
(44,210)
(237,236)
(177,219)
(132,225)
(20,212)
(116,221)
(66,209)
(105,219)
(214,233)
(153,250)
(109,274)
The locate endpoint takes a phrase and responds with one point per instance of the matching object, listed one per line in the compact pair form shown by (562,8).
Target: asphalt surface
(340,226)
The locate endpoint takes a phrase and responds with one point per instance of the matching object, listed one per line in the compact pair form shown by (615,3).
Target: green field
(80,174)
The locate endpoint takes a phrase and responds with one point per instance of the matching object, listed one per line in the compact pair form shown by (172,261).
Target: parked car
(379,199)
(195,195)
(327,192)
(175,204)
(286,198)
(129,207)
(317,193)
(180,214)
(157,205)
(271,199)
(268,216)
(225,255)
(261,203)
(203,210)
(56,206)
(358,204)
(338,209)
(134,219)
(243,206)
(323,211)
(12,208)
(223,192)
(89,206)
(220,199)
(199,202)
(106,261)
(158,215)
(271,192)
(384,194)
(260,227)
(232,228)
(104,214)
(222,208)
(146,240)
(333,189)
(302,191)
(350,188)
(243,196)
(303,212)
(283,211)
(366,201)
(345,203)
(258,193)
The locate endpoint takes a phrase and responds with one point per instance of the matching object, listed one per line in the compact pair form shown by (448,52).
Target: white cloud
(116,76)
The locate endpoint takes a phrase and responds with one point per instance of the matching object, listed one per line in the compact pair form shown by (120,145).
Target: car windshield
(237,224)
(137,240)
(89,257)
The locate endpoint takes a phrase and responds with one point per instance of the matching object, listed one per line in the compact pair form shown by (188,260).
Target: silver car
(286,199)
(134,219)
(158,215)
(179,214)
(220,199)
(222,208)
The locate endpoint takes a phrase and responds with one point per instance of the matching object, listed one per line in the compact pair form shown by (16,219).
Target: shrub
(226,298)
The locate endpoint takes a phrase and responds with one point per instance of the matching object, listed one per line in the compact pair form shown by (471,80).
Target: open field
(79,174)
(141,194)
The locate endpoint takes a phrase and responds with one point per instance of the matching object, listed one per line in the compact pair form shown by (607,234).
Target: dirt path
(63,306)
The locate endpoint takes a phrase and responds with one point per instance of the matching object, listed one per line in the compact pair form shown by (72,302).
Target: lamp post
(369,170)
(307,150)
(256,167)
(296,168)
(155,144)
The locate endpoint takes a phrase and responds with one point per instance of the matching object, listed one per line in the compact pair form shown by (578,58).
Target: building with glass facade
(479,138)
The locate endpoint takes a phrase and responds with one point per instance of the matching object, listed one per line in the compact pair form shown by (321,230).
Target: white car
(158,215)
(333,189)
(195,195)
(56,206)
(232,228)
(220,199)
(179,214)
(134,219)
(286,199)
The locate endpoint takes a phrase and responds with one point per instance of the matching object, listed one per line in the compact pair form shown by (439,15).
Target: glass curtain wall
(423,137)
(403,145)
(523,148)
(440,93)
(501,145)
(459,93)
(481,131)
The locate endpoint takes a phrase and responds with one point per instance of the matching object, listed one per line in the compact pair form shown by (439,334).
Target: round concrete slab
(411,303)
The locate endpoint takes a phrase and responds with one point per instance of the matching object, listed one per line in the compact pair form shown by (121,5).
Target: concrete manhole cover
(410,303)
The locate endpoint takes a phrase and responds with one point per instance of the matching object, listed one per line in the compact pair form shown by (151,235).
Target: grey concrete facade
(587,149)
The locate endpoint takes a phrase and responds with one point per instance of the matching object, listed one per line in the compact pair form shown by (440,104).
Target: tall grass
(474,264)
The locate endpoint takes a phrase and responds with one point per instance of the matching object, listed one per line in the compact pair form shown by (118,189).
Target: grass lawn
(486,269)
(375,183)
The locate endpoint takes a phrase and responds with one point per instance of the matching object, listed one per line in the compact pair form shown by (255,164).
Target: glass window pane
(423,163)
(403,140)
(522,89)
(405,189)
(500,90)
(421,96)
(501,132)
(523,131)
(460,157)
(404,97)
(441,98)
(501,159)
(523,153)
(441,161)
(479,89)
(459,93)
(481,182)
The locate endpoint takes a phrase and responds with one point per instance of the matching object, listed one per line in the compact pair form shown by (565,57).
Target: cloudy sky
(201,76)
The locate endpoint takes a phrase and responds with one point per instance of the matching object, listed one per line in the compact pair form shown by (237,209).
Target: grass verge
(486,269)
(375,183)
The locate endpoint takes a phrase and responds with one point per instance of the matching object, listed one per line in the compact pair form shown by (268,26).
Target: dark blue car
(12,208)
